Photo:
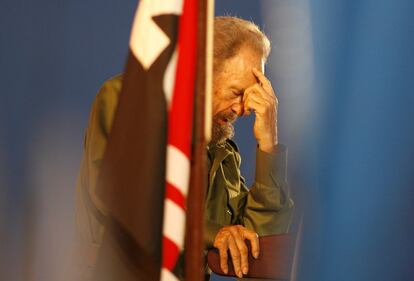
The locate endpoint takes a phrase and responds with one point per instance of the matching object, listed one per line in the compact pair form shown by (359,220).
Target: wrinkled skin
(240,88)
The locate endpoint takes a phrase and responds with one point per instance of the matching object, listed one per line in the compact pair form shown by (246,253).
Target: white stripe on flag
(148,41)
(178,169)
(209,70)
(166,275)
(169,78)
(174,223)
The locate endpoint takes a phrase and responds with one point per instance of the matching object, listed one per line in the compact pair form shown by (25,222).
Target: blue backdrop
(343,73)
(363,138)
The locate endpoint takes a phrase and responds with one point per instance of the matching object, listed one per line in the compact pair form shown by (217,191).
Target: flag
(179,141)
(145,172)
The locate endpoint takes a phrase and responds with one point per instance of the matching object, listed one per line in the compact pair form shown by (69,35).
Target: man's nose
(237,108)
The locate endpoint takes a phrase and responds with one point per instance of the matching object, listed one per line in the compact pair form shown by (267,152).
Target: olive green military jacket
(266,208)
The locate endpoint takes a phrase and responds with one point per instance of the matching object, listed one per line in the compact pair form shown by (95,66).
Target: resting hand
(261,99)
(233,238)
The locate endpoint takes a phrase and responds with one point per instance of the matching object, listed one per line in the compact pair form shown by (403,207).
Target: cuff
(210,231)
(271,165)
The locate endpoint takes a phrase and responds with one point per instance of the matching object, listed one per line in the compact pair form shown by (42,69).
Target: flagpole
(194,255)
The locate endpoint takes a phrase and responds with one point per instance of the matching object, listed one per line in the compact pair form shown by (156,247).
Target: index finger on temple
(261,78)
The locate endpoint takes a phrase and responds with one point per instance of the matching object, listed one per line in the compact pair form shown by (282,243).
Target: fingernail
(245,270)
(256,255)
(239,274)
(226,270)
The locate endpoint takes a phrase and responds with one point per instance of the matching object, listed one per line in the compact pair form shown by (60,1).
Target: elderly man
(233,213)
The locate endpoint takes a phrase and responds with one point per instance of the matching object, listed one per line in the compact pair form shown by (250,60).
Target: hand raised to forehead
(261,99)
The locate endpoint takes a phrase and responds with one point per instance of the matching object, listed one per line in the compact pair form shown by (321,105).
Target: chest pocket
(230,176)
(225,197)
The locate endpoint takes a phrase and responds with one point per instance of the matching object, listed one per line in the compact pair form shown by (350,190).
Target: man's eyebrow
(238,89)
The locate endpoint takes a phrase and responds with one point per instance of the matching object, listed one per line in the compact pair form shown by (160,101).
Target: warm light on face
(235,76)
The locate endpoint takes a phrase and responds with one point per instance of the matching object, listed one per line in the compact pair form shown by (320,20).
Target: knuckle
(240,227)
(249,230)
(236,257)
(218,244)
(225,233)
(234,229)
(235,254)
(253,235)
(243,251)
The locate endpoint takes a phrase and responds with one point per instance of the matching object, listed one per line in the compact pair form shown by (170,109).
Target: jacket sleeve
(89,209)
(269,208)
(211,229)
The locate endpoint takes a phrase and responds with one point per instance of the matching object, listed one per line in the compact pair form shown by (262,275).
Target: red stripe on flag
(181,113)
(170,253)
(180,117)
(175,195)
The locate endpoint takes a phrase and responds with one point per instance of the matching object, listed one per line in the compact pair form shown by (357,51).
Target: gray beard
(221,132)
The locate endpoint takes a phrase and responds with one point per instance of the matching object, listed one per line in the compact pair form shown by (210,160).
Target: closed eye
(238,93)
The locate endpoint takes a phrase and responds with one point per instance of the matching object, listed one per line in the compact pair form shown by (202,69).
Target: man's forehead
(243,80)
(237,71)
